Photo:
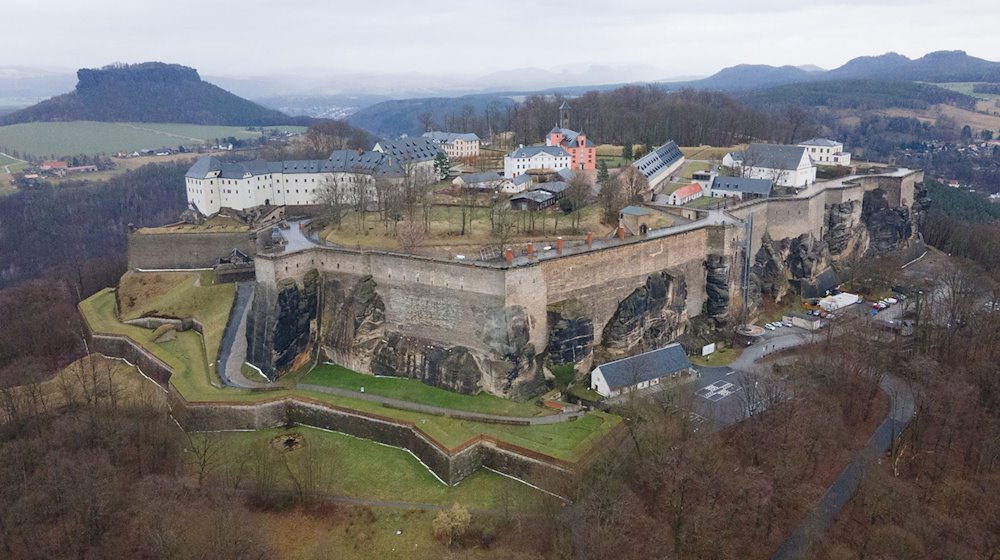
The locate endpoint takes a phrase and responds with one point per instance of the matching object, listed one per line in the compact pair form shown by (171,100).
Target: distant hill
(856,94)
(940,66)
(402,116)
(149,92)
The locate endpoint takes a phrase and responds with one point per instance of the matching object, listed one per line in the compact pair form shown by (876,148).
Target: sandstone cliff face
(891,229)
(650,316)
(801,264)
(279,324)
(845,235)
(354,333)
(717,282)
(571,333)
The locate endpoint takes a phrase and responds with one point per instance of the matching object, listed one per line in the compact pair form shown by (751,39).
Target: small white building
(641,371)
(740,188)
(456,145)
(824,151)
(685,194)
(524,159)
(788,166)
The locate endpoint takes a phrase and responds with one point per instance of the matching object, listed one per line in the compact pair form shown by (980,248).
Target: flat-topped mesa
(474,326)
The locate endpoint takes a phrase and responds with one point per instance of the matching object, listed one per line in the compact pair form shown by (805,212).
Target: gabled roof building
(641,371)
(660,164)
(788,166)
(456,144)
(527,158)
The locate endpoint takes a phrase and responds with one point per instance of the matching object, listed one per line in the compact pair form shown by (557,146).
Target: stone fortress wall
(184,250)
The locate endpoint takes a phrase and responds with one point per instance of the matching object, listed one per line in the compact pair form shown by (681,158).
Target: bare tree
(502,222)
(634,185)
(206,453)
(410,235)
(333,196)
(577,196)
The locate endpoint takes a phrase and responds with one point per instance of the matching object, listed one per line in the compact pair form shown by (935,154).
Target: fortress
(484,325)
(492,325)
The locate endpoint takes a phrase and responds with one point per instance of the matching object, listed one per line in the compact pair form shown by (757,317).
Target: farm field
(89,137)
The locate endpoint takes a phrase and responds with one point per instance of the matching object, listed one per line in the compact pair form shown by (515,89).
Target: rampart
(450,465)
(184,250)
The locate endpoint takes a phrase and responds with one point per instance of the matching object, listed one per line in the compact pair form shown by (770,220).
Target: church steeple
(564,112)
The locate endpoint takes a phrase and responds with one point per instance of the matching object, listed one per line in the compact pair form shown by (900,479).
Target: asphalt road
(234,340)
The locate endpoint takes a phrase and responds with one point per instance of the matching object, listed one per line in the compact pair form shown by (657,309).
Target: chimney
(531,249)
(559,244)
(360,151)
(621,232)
(509,255)
(590,239)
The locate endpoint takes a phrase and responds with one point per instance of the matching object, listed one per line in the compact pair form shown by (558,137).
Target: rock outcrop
(717,282)
(571,333)
(890,228)
(650,316)
(279,326)
(844,233)
(802,264)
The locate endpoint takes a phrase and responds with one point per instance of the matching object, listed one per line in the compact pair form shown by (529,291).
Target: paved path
(416,407)
(234,341)
(814,527)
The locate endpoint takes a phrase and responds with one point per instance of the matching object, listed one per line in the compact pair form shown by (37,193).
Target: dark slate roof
(773,156)
(564,106)
(449,137)
(475,178)
(743,185)
(536,195)
(660,158)
(204,166)
(572,138)
(522,179)
(409,150)
(825,142)
(367,162)
(644,367)
(566,173)
(635,211)
(554,187)
(346,161)
(531,151)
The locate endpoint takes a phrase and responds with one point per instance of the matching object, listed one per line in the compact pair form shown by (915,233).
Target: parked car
(769,327)
(891,301)
(786,324)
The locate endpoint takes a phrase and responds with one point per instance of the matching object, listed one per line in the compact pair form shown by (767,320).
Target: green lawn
(706,202)
(188,294)
(412,390)
(44,139)
(364,469)
(196,382)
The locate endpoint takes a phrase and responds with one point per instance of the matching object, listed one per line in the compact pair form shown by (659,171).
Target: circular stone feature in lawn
(287,442)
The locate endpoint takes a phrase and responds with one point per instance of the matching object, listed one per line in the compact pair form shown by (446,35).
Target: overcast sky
(470,37)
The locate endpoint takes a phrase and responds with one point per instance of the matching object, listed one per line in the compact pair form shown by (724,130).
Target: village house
(685,194)
(634,219)
(826,152)
(456,145)
(557,188)
(641,371)
(741,188)
(788,166)
(659,166)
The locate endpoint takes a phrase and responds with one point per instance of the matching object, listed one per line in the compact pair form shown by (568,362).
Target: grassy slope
(181,295)
(88,137)
(192,378)
(413,390)
(362,468)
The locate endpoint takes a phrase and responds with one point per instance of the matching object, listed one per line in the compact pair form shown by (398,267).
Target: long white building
(213,184)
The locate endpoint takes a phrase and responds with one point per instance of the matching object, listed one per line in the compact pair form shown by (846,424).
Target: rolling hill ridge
(150,92)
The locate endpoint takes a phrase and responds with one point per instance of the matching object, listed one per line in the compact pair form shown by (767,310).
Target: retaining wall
(184,250)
